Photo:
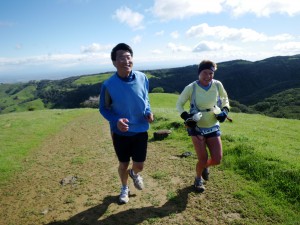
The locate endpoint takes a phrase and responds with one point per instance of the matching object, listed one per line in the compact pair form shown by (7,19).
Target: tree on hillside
(158,90)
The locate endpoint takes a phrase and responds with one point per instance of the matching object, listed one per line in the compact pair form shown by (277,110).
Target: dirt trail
(83,149)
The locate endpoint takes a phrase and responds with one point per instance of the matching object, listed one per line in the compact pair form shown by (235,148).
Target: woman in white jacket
(209,106)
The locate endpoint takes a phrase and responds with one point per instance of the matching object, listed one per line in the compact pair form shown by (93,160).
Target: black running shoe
(205,174)
(198,184)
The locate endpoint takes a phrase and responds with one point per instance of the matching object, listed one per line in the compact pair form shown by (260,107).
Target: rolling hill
(253,87)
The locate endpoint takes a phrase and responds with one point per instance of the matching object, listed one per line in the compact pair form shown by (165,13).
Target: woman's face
(205,77)
(123,63)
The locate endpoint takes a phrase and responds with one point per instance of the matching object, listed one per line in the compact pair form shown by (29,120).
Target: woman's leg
(199,143)
(215,148)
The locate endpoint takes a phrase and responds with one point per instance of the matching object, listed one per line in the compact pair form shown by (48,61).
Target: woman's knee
(216,160)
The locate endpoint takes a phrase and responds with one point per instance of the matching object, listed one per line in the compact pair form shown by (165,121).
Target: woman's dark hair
(120,46)
(207,64)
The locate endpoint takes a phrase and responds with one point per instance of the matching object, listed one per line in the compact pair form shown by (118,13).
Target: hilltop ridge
(269,86)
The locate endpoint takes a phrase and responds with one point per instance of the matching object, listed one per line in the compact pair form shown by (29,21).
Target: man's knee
(123,166)
(138,166)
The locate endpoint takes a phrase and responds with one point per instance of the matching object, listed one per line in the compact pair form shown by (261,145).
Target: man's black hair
(120,46)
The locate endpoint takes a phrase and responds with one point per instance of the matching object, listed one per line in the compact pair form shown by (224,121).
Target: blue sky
(51,39)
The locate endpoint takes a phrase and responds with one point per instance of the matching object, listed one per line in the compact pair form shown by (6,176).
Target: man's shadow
(131,216)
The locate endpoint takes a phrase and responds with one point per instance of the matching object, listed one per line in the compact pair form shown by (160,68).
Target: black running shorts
(134,147)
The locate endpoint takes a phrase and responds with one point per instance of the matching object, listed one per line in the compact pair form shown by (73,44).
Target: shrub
(158,90)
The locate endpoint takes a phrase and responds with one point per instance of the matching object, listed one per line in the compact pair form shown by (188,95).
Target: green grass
(260,163)
(36,104)
(23,132)
(163,101)
(267,151)
(262,151)
(149,75)
(92,79)
(25,93)
(19,98)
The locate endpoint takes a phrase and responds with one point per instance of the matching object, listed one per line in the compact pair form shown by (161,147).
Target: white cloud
(137,39)
(232,34)
(60,60)
(213,46)
(292,47)
(263,8)
(178,48)
(174,34)
(160,33)
(281,37)
(127,16)
(94,47)
(156,51)
(180,9)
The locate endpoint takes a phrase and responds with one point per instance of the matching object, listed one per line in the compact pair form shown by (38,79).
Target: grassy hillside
(92,79)
(246,82)
(252,86)
(19,98)
(257,183)
(285,104)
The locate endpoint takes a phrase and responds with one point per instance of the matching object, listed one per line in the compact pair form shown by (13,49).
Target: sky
(53,39)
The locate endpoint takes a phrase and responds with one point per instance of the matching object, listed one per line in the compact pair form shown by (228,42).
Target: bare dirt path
(83,151)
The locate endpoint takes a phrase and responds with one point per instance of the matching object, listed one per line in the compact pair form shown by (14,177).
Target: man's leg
(139,153)
(123,173)
(124,195)
(137,167)
(136,177)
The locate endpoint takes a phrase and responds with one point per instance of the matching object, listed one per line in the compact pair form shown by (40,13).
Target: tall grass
(265,150)
(276,176)
(267,182)
(261,149)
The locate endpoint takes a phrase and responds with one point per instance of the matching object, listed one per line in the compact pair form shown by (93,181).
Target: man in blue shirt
(124,102)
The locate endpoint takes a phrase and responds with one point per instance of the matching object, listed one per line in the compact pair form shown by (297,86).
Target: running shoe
(205,174)
(124,195)
(198,184)
(137,180)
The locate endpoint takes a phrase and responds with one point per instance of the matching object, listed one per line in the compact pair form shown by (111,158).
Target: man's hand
(123,124)
(150,117)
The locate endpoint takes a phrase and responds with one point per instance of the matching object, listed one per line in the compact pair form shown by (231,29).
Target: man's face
(123,63)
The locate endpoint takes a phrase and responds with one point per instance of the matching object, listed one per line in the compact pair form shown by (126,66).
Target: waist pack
(209,130)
